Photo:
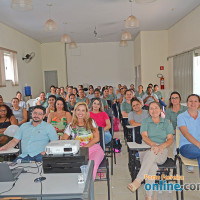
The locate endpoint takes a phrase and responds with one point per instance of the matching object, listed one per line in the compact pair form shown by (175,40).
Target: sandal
(134,185)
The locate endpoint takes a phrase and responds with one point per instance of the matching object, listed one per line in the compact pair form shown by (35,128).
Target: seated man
(149,96)
(42,100)
(34,137)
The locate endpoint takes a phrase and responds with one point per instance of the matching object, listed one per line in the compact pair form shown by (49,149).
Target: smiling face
(53,90)
(58,91)
(193,103)
(74,91)
(81,93)
(154,110)
(80,112)
(19,96)
(38,115)
(3,112)
(136,106)
(42,96)
(96,106)
(72,99)
(175,99)
(97,94)
(15,103)
(105,93)
(59,105)
(128,95)
(51,101)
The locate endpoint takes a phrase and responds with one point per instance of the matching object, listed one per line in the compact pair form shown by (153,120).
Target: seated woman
(71,104)
(101,118)
(82,97)
(6,119)
(157,133)
(19,112)
(63,93)
(140,91)
(126,105)
(60,118)
(189,125)
(22,103)
(51,105)
(75,92)
(84,128)
(136,116)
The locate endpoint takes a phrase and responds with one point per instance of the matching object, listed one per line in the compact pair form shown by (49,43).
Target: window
(196,73)
(8,67)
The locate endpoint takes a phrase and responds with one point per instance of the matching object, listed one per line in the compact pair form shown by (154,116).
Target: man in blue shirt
(34,136)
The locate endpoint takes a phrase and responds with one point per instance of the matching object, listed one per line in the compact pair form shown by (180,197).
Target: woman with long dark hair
(6,119)
(61,117)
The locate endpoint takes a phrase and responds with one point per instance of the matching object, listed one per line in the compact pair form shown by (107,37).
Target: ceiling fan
(29,57)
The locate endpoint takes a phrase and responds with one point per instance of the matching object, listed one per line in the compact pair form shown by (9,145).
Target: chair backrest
(138,137)
(102,138)
(30,103)
(111,129)
(109,103)
(30,110)
(178,136)
(11,130)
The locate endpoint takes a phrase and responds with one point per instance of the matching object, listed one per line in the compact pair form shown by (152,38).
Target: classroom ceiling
(82,16)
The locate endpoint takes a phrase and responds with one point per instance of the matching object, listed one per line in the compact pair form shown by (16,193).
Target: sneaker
(190,169)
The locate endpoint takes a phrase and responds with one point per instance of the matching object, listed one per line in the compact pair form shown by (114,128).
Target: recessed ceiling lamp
(126,36)
(72,45)
(65,37)
(22,5)
(50,25)
(132,21)
(123,43)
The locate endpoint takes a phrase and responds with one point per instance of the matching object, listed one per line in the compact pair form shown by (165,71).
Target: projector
(62,147)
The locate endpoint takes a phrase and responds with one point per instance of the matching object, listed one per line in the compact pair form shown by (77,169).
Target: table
(6,155)
(56,186)
(134,163)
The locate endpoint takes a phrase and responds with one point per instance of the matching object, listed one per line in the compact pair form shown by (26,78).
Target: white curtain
(2,70)
(183,74)
(15,80)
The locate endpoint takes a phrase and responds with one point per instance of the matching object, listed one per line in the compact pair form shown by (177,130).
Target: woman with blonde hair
(84,129)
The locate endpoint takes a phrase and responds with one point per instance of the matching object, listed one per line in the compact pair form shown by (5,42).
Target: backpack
(117,146)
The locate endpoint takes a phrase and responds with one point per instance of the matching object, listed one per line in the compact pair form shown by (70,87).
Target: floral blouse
(80,133)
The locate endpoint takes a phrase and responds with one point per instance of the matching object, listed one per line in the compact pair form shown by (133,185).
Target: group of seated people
(88,111)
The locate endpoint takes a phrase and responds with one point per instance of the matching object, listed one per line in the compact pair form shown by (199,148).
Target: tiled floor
(121,178)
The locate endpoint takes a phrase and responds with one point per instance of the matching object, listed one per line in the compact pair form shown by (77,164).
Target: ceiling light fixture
(132,21)
(73,45)
(22,5)
(126,36)
(144,1)
(65,37)
(50,25)
(123,43)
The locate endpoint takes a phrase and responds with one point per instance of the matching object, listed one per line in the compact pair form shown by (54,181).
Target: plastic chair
(104,166)
(30,103)
(182,159)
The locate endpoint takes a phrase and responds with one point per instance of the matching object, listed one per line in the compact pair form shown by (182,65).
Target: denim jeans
(108,137)
(191,151)
(37,158)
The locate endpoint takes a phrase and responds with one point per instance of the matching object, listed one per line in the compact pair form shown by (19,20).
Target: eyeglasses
(174,98)
(3,110)
(36,113)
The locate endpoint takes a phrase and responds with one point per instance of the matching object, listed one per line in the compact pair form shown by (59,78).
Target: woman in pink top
(97,113)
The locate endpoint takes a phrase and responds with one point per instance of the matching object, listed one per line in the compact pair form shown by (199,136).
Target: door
(51,78)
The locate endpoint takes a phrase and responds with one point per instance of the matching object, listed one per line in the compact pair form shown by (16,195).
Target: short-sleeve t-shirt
(157,132)
(193,126)
(126,107)
(159,94)
(80,133)
(172,116)
(138,118)
(100,118)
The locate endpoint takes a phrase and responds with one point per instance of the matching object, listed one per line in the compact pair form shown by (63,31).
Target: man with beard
(34,137)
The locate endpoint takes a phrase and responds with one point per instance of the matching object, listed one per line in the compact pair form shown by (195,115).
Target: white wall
(29,73)
(100,64)
(183,36)
(137,50)
(53,58)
